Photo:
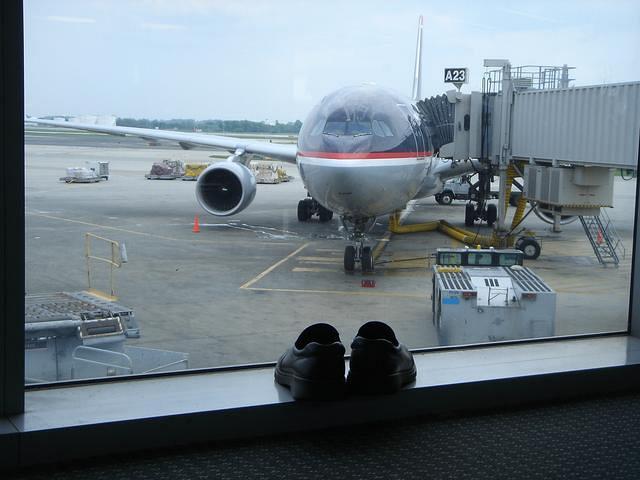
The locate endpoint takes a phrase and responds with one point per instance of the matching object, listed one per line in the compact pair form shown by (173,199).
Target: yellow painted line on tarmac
(380,246)
(325,263)
(320,259)
(338,292)
(273,267)
(135,232)
(585,291)
(313,270)
(405,273)
(406,265)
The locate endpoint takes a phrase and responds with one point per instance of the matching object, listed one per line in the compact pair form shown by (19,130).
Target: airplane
(362,152)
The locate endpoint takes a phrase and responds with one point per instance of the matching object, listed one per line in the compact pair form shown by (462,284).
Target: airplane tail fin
(417,72)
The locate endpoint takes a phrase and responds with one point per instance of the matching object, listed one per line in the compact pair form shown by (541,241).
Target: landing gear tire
(469,215)
(492,214)
(438,198)
(367,260)
(446,198)
(349,258)
(303,211)
(324,214)
(529,247)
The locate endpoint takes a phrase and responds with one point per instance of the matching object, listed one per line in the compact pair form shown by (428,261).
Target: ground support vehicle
(487,295)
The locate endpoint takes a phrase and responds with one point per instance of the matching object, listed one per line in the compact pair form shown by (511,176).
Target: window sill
(118,416)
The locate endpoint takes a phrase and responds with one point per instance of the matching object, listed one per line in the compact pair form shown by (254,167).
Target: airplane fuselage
(364,152)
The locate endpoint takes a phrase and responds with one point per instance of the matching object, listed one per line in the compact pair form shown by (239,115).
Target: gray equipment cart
(76,335)
(487,295)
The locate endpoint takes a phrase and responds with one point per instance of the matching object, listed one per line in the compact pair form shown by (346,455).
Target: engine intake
(225,188)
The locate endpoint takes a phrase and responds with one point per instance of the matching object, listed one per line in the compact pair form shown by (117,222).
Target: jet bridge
(565,142)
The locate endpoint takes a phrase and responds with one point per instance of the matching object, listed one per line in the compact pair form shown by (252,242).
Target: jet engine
(225,188)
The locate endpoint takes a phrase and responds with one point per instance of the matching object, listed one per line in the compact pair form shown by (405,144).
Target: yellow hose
(517,217)
(465,236)
(395,227)
(457,233)
(511,175)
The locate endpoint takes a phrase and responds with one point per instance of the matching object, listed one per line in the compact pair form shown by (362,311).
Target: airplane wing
(283,152)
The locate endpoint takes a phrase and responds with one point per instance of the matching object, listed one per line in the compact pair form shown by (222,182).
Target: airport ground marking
(273,267)
(313,270)
(320,259)
(382,243)
(143,234)
(337,292)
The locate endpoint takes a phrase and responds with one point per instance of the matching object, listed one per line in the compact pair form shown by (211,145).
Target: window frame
(12,208)
(12,254)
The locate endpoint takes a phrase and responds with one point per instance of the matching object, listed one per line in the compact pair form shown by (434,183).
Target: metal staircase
(606,243)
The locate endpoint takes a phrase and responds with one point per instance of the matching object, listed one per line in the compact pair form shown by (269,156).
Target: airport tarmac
(242,289)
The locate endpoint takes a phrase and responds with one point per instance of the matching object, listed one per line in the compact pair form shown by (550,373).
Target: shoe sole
(305,389)
(377,384)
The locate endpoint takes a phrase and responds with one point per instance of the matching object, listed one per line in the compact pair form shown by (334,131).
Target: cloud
(162,26)
(58,18)
(529,15)
(246,8)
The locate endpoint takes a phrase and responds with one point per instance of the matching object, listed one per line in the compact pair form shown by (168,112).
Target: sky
(274,60)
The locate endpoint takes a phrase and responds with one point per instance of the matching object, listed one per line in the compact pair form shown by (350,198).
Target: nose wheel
(358,254)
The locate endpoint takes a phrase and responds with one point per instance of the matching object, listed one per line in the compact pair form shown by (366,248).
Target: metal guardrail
(92,362)
(118,257)
(604,239)
(529,77)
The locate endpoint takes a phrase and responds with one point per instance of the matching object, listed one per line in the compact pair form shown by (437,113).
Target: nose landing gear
(358,253)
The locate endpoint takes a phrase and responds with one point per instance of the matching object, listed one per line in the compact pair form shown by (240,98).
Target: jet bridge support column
(505,147)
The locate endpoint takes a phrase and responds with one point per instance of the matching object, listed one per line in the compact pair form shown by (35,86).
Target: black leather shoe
(314,366)
(379,363)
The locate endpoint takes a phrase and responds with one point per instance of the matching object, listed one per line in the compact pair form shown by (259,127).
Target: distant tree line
(230,126)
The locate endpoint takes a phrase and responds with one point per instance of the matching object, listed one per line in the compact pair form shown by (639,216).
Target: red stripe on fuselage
(364,155)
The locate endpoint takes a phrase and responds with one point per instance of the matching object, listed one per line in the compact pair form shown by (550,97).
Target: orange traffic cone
(196,224)
(599,238)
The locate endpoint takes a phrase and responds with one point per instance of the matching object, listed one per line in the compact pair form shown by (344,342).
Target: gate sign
(456,75)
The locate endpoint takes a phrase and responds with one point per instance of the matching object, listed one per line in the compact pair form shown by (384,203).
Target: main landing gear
(480,192)
(473,213)
(309,207)
(358,253)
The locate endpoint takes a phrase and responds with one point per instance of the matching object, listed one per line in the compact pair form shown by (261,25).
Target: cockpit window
(381,129)
(344,124)
(352,128)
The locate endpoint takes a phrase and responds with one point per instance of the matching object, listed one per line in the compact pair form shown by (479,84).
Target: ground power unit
(487,295)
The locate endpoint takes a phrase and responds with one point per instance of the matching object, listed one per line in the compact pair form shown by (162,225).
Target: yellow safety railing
(114,262)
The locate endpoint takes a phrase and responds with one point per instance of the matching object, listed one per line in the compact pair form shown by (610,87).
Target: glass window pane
(258,196)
